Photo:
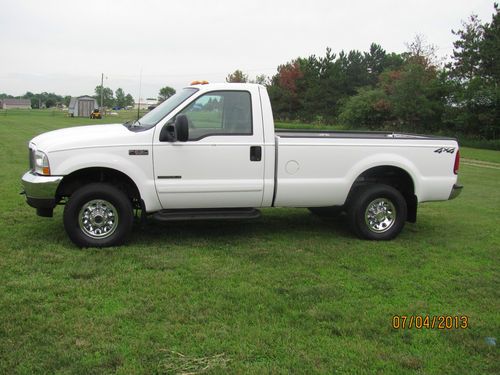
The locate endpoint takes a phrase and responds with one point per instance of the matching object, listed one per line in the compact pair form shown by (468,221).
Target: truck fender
(143,180)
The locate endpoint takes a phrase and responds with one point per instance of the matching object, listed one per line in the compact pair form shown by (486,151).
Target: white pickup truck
(211,152)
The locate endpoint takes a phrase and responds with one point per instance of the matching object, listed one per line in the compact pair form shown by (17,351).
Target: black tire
(103,205)
(327,212)
(388,212)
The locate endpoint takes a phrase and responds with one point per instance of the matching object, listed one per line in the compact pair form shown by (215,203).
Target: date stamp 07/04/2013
(440,322)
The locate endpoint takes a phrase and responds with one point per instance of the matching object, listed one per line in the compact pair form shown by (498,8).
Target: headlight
(42,163)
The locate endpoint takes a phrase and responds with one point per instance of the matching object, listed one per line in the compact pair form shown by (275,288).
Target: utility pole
(102,90)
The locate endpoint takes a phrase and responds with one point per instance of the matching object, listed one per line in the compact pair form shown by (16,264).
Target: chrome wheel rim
(98,219)
(380,215)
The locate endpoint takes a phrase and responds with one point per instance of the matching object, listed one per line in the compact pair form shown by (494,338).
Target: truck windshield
(150,119)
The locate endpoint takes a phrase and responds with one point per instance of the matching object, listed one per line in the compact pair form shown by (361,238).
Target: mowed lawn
(288,293)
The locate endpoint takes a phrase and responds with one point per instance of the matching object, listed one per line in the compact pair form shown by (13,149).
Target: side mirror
(167,133)
(176,132)
(182,128)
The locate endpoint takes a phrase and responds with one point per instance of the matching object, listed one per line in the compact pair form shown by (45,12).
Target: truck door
(221,164)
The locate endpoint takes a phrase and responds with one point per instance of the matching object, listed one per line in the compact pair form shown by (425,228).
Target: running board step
(207,214)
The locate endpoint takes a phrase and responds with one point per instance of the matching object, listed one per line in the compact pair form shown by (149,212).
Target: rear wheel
(377,212)
(98,215)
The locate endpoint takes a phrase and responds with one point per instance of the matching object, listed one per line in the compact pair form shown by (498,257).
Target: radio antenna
(139,99)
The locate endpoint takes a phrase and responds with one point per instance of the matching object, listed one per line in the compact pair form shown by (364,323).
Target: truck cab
(222,162)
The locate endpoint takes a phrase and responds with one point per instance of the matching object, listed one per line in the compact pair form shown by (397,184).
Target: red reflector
(457,162)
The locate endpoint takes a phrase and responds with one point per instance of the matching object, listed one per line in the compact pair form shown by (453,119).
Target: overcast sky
(63,46)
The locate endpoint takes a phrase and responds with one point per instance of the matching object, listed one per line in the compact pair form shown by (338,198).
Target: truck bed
(317,168)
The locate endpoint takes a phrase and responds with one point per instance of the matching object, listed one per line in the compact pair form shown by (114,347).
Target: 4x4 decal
(449,150)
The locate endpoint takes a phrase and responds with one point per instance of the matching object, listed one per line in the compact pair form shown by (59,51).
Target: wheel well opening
(397,178)
(77,179)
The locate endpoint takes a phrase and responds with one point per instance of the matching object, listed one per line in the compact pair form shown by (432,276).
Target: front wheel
(377,212)
(98,215)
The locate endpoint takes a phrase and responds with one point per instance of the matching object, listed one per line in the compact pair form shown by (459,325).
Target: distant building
(15,103)
(146,103)
(82,106)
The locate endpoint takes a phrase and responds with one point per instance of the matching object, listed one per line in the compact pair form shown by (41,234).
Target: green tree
(466,55)
(490,57)
(490,48)
(369,108)
(107,93)
(356,70)
(326,82)
(129,100)
(283,90)
(312,100)
(417,98)
(475,74)
(43,99)
(377,61)
(120,97)
(35,103)
(410,97)
(165,93)
(237,77)
(260,79)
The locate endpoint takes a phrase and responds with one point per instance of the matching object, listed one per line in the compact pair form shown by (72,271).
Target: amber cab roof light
(199,83)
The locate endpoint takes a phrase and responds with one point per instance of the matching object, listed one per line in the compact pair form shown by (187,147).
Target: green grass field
(288,293)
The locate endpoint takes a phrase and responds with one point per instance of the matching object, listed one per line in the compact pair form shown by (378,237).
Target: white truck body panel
(102,146)
(316,172)
(211,172)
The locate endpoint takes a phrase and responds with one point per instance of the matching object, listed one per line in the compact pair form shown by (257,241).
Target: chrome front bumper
(40,192)
(455,191)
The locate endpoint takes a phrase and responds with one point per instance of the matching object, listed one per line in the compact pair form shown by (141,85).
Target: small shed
(82,106)
(10,103)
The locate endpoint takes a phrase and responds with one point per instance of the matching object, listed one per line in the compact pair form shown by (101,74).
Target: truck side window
(220,113)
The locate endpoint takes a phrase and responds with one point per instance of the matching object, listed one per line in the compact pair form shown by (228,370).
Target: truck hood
(85,137)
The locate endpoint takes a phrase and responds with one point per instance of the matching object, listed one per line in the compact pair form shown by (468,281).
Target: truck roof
(225,86)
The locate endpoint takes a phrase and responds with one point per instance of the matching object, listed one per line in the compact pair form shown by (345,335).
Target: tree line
(41,100)
(48,100)
(411,91)
(110,99)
